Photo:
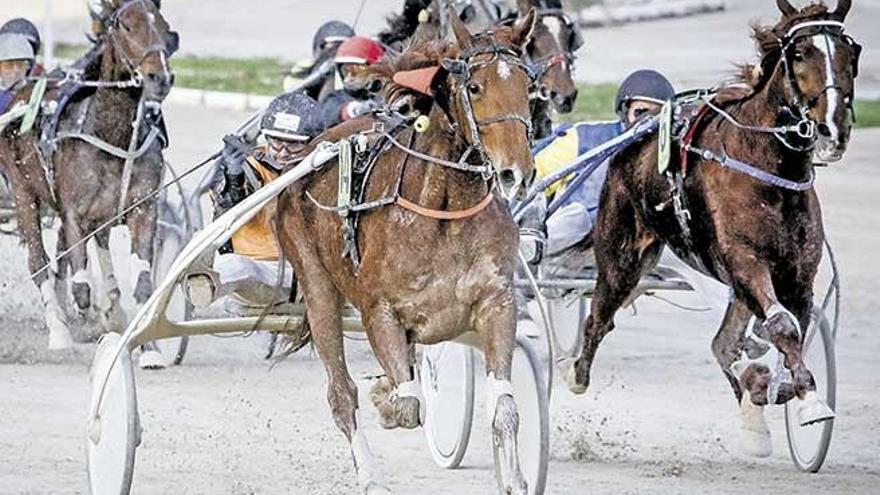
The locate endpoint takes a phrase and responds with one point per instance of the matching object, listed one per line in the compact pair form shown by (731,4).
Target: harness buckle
(806,129)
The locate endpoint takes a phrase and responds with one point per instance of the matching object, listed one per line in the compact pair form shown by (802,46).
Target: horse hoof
(59,335)
(200,290)
(813,410)
(754,432)
(113,320)
(527,327)
(570,373)
(408,412)
(151,360)
(374,488)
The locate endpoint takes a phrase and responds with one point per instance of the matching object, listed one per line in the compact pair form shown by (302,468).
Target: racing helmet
(330,32)
(359,50)
(291,117)
(15,47)
(26,28)
(645,84)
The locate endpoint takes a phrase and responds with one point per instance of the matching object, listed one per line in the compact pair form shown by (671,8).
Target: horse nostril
(824,130)
(509,179)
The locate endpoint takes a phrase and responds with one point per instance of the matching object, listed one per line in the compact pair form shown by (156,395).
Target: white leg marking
(59,335)
(494,390)
(369,474)
(754,432)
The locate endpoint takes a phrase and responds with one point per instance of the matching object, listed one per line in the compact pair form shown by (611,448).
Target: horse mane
(756,75)
(401,27)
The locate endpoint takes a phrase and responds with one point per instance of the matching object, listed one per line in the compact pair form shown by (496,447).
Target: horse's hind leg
(496,324)
(398,396)
(728,346)
(623,252)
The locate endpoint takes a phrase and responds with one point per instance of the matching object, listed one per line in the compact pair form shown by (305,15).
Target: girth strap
(444,214)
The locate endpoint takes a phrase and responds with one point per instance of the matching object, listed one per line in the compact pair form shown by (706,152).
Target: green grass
(264,76)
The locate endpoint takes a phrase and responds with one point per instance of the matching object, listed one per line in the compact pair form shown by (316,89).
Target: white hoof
(527,327)
(568,372)
(376,489)
(151,360)
(754,432)
(200,290)
(59,334)
(813,410)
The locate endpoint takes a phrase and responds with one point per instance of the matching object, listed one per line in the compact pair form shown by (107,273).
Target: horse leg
(728,346)
(141,224)
(398,395)
(28,210)
(623,252)
(784,331)
(811,409)
(324,309)
(113,318)
(77,260)
(496,325)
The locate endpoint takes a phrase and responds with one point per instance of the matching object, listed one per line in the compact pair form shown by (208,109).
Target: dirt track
(658,419)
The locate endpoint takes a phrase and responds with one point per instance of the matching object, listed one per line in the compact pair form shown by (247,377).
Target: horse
(737,203)
(84,182)
(439,260)
(550,55)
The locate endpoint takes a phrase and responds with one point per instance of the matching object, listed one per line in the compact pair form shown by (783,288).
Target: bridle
(156,43)
(800,107)
(462,69)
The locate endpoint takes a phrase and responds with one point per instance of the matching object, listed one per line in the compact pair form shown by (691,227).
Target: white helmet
(15,47)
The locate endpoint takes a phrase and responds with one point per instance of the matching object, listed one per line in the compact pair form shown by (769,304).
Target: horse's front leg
(397,396)
(141,224)
(113,318)
(496,324)
(77,261)
(728,346)
(28,210)
(753,282)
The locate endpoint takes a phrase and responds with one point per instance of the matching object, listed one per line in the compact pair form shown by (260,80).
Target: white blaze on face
(503,70)
(823,43)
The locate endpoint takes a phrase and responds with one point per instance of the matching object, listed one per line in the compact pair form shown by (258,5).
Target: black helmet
(645,84)
(25,28)
(329,32)
(293,117)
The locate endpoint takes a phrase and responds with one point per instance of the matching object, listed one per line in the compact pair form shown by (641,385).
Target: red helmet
(359,50)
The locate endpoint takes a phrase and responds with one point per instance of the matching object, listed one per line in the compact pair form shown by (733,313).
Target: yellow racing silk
(561,152)
(256,239)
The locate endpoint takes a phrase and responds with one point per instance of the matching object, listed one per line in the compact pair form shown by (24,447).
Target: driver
(354,55)
(248,266)
(641,94)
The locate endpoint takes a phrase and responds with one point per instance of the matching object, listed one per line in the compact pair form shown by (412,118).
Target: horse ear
(462,34)
(523,29)
(842,9)
(785,7)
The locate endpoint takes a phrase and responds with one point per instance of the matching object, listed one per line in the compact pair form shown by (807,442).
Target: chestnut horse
(737,204)
(439,260)
(129,63)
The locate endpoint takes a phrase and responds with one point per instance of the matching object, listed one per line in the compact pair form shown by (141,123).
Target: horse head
(821,64)
(552,55)
(141,41)
(487,88)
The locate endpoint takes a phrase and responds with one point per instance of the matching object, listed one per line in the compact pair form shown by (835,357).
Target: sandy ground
(658,419)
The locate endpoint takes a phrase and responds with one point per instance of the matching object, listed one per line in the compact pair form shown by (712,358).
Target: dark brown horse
(737,203)
(423,277)
(128,69)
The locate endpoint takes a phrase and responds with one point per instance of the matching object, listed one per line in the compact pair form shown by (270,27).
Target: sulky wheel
(447,379)
(808,445)
(532,403)
(114,433)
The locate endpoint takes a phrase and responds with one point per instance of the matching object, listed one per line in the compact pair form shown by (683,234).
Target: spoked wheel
(447,379)
(808,445)
(115,433)
(532,403)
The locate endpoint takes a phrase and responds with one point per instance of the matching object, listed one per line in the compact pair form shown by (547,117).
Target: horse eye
(474,89)
(798,56)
